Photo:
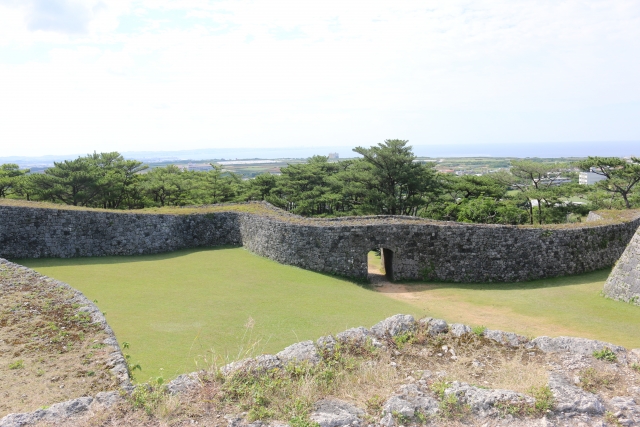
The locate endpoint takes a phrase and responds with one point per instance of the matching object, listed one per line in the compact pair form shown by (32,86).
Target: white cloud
(58,15)
(191,73)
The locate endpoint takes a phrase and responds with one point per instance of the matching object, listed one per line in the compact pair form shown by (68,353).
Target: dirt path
(384,286)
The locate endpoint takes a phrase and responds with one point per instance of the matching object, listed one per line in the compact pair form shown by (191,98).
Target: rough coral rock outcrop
(259,364)
(394,325)
(55,413)
(359,335)
(458,329)
(571,399)
(577,346)
(183,383)
(506,338)
(408,401)
(434,326)
(304,351)
(484,402)
(414,401)
(336,413)
(623,282)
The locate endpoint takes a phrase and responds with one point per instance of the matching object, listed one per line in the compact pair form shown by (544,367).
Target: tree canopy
(387,179)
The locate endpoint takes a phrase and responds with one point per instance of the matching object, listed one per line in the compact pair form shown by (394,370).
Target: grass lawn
(559,306)
(177,307)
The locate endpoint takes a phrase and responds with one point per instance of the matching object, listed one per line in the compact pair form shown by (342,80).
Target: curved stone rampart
(418,248)
(115,361)
(624,281)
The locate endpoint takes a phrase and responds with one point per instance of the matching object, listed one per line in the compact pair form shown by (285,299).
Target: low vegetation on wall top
(386,180)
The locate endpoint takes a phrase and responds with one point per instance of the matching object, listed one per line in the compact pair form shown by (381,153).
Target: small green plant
(516,409)
(421,418)
(39,372)
(439,387)
(400,418)
(299,421)
(544,400)
(259,413)
(480,386)
(450,408)
(610,418)
(479,330)
(18,364)
(374,404)
(147,396)
(635,367)
(605,354)
(127,358)
(402,339)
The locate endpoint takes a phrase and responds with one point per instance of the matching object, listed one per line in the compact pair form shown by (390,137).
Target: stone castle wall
(624,281)
(436,250)
(61,233)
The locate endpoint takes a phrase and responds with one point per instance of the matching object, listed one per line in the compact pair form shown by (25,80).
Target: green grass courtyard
(175,309)
(178,311)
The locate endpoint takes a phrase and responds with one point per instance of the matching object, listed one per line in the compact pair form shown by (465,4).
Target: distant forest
(386,180)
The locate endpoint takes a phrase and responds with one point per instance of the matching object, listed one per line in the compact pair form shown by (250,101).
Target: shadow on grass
(127,259)
(553,282)
(117,259)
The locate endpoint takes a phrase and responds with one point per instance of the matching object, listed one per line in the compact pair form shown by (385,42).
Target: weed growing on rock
(450,408)
(289,393)
(544,400)
(605,354)
(131,367)
(635,367)
(148,396)
(438,387)
(543,403)
(402,339)
(611,418)
(478,330)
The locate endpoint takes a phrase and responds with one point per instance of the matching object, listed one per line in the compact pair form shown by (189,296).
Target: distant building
(334,156)
(589,178)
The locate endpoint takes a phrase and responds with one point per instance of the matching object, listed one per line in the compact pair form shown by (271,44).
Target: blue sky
(84,75)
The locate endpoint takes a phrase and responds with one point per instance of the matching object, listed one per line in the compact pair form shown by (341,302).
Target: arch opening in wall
(380,264)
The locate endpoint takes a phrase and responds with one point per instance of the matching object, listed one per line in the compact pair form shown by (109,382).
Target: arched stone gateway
(421,248)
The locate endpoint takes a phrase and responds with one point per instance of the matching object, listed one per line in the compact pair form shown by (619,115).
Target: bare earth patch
(50,350)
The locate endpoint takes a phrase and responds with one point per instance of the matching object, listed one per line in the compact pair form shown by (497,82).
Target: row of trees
(387,179)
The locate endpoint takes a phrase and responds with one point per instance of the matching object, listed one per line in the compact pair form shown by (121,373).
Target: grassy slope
(173,307)
(559,306)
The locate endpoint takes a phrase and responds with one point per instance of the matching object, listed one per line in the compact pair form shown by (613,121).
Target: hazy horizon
(578,149)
